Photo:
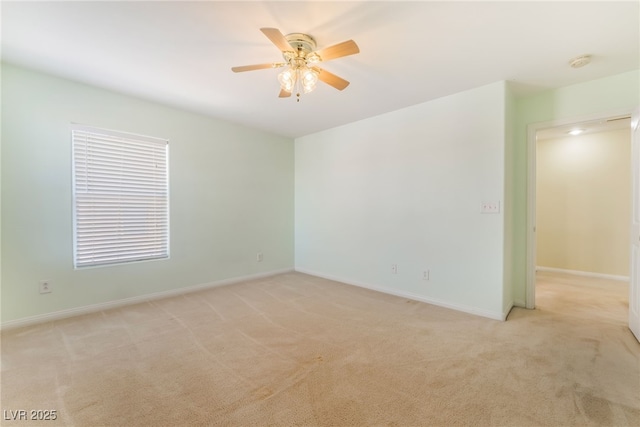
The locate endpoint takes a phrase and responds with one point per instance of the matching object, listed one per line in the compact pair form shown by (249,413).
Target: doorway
(565,258)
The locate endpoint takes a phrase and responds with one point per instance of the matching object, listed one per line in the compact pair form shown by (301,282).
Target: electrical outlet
(45,287)
(425,275)
(394,268)
(490,207)
(259,257)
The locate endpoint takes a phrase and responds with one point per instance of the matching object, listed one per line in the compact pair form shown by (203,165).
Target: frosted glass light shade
(287,79)
(309,79)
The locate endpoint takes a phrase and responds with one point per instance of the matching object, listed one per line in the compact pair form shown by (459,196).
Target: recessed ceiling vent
(580,61)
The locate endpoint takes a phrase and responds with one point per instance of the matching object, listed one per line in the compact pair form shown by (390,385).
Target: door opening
(560,129)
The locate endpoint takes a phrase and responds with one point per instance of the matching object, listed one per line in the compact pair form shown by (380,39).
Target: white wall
(510,197)
(405,188)
(583,202)
(231,191)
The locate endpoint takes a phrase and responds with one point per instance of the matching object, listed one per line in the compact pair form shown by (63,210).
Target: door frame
(532,129)
(634,232)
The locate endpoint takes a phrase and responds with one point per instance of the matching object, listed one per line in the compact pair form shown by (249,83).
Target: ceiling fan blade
(338,50)
(331,79)
(257,67)
(284,94)
(277,39)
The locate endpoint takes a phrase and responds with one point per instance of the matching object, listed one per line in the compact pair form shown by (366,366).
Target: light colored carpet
(299,350)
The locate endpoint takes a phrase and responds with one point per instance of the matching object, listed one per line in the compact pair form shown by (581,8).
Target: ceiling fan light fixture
(287,79)
(309,79)
(304,78)
(299,52)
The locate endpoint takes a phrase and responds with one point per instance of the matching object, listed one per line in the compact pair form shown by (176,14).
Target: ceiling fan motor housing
(301,42)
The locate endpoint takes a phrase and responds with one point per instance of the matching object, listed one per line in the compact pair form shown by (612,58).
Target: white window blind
(121,197)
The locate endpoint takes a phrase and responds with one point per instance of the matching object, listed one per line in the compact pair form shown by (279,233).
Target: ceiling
(180,53)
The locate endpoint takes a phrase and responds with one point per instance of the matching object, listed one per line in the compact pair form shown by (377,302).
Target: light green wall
(614,93)
(231,193)
(406,188)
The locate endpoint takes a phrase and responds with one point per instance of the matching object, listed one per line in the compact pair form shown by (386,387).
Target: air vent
(580,61)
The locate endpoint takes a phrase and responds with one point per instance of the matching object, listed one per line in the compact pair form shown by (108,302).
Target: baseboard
(507,312)
(93,308)
(519,303)
(583,273)
(465,309)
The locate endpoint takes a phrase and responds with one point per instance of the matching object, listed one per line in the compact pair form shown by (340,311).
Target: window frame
(162,210)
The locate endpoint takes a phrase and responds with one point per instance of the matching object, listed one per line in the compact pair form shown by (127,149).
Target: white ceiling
(180,53)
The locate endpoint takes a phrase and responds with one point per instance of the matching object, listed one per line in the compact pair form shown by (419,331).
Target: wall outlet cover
(45,286)
(490,207)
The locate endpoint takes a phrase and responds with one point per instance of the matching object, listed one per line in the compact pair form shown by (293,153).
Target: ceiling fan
(300,59)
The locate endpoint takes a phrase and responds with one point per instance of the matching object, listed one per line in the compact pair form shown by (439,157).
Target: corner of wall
(509,200)
(1,103)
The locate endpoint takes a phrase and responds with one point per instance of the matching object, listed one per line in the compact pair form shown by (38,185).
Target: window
(120,197)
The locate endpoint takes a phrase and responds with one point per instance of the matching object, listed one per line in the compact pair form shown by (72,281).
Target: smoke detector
(580,61)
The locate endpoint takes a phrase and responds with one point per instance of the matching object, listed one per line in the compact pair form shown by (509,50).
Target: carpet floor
(294,349)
